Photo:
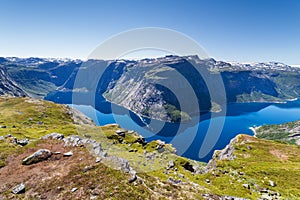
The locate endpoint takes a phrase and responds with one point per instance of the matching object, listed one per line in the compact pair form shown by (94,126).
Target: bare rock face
(8,85)
(226,154)
(38,156)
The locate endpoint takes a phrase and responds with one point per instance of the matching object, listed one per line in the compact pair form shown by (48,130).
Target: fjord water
(239,118)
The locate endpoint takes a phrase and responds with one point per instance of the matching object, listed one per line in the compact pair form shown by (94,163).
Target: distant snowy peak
(212,64)
(278,66)
(32,61)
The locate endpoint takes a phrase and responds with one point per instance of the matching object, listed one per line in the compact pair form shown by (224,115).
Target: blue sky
(229,30)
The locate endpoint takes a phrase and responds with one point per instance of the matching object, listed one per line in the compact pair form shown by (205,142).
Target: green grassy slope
(256,161)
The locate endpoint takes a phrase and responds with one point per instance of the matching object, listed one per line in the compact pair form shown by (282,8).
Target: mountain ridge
(143,86)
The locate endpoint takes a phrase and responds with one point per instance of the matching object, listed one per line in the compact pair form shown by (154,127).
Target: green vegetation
(6,149)
(279,132)
(257,97)
(256,163)
(28,118)
(31,83)
(175,114)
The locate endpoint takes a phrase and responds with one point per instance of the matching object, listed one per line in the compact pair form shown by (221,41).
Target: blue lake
(189,138)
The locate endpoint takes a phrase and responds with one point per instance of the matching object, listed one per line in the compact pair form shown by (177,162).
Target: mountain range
(154,87)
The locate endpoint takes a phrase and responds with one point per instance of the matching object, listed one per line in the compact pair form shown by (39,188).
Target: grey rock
(174,181)
(57,136)
(119,163)
(160,145)
(76,141)
(232,198)
(2,137)
(88,168)
(60,188)
(133,177)
(3,126)
(265,190)
(120,133)
(68,154)
(272,183)
(97,148)
(225,154)
(216,197)
(94,147)
(266,197)
(207,180)
(98,159)
(73,140)
(93,197)
(38,156)
(22,142)
(103,154)
(171,164)
(141,141)
(19,189)
(247,186)
(74,189)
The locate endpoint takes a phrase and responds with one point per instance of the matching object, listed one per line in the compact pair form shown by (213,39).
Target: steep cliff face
(155,88)
(8,86)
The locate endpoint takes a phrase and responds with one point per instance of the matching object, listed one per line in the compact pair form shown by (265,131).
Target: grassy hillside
(256,163)
(287,133)
(258,167)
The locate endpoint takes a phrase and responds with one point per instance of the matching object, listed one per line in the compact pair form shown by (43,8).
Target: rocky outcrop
(38,156)
(79,118)
(14,140)
(57,136)
(226,154)
(96,150)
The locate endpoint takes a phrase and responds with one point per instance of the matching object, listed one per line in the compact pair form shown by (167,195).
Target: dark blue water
(188,138)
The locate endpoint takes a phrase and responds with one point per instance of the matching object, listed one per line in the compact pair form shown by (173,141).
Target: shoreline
(253,129)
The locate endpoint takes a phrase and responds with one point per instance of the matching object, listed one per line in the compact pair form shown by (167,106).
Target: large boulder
(38,156)
(18,189)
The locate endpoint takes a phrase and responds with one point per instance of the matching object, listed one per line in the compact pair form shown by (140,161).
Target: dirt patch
(279,154)
(56,167)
